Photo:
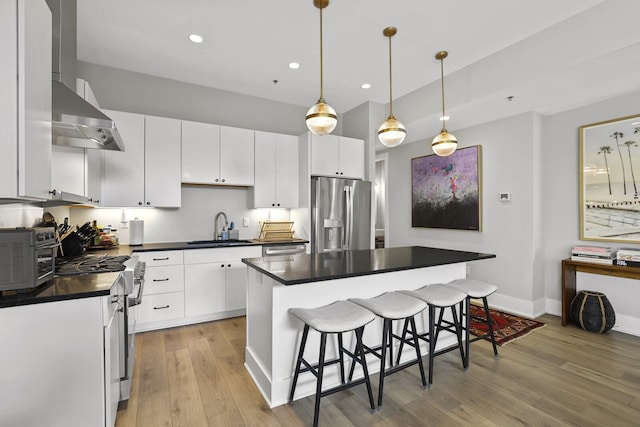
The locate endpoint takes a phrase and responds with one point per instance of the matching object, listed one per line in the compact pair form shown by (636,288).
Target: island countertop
(297,269)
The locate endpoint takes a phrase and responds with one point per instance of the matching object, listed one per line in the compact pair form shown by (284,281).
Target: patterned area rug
(506,327)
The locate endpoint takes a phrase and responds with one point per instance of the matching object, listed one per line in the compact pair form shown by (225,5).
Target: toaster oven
(27,257)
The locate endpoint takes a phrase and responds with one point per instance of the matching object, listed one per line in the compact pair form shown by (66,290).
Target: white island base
(273,335)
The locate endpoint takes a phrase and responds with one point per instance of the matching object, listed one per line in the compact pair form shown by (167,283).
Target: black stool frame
(318,369)
(487,320)
(387,343)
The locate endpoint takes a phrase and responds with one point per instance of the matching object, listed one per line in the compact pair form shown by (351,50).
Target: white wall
(507,166)
(560,204)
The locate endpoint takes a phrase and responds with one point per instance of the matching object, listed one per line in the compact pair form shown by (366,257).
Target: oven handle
(138,299)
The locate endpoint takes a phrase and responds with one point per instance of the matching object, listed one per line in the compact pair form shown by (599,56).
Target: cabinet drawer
(201,256)
(160,280)
(161,307)
(159,258)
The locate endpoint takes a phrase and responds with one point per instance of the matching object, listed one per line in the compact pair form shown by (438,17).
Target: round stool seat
(474,288)
(340,316)
(438,295)
(392,305)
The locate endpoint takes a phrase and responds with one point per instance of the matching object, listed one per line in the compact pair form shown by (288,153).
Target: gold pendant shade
(391,132)
(445,143)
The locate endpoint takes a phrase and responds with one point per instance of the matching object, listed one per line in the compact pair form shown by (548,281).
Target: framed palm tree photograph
(610,180)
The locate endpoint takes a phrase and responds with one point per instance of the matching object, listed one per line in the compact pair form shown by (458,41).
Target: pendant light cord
(442,86)
(390,84)
(321,79)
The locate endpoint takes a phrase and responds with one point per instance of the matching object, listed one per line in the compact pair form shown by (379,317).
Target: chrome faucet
(216,233)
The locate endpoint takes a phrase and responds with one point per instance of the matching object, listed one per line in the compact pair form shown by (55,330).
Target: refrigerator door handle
(349,208)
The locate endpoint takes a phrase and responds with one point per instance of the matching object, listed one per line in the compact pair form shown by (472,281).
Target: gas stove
(83,264)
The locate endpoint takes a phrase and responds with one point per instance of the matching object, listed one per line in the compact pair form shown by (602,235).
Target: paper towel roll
(136,232)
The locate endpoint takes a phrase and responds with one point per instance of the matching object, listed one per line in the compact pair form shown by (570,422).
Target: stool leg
(432,341)
(490,324)
(363,362)
(404,334)
(385,333)
(341,357)
(417,345)
(467,317)
(323,346)
(390,344)
(457,323)
(303,343)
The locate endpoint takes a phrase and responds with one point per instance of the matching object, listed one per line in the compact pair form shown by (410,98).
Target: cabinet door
(264,189)
(351,157)
(111,362)
(200,153)
(26,100)
(124,170)
(236,285)
(236,156)
(162,162)
(204,288)
(324,155)
(286,173)
(93,175)
(68,169)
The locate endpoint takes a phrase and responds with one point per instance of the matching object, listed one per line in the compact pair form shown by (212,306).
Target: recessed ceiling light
(365,86)
(443,118)
(294,65)
(196,38)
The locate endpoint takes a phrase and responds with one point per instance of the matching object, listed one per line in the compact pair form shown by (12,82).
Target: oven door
(45,262)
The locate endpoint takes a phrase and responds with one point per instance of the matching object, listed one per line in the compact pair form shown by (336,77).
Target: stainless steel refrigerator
(340,214)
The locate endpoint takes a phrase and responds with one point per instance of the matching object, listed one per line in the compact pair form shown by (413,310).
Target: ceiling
(549,55)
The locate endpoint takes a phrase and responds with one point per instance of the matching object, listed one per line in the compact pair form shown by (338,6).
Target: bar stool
(335,318)
(392,306)
(476,289)
(441,297)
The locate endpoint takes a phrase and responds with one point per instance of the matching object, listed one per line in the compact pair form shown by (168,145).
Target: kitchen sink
(217,243)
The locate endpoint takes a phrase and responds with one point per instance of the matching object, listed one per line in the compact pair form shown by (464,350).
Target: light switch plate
(245,222)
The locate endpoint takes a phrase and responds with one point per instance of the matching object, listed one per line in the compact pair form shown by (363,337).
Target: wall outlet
(245,222)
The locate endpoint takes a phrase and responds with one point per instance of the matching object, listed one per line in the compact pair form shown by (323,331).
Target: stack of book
(629,257)
(596,254)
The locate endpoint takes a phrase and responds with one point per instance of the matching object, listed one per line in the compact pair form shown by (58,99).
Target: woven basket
(592,311)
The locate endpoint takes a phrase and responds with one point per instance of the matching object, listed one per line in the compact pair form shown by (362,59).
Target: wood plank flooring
(556,376)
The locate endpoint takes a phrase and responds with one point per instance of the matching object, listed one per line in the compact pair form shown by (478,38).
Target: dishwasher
(284,249)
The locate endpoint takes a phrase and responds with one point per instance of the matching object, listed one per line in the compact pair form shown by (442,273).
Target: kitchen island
(276,284)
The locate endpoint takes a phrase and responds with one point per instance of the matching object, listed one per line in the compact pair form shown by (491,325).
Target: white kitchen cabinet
(163,295)
(276,170)
(147,173)
(217,155)
(215,279)
(336,156)
(61,356)
(25,104)
(78,171)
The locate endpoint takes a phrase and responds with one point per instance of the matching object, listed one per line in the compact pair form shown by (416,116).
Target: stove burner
(90,264)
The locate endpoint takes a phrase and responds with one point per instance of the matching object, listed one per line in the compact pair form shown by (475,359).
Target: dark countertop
(61,289)
(297,269)
(178,246)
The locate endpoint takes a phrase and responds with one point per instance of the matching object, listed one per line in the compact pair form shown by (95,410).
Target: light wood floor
(556,376)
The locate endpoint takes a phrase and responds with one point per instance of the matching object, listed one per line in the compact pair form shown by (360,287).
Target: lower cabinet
(215,280)
(60,363)
(195,285)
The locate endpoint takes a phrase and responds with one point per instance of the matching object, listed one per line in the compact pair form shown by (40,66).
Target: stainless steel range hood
(75,122)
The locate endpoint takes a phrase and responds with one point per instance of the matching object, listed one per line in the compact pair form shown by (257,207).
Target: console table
(569,269)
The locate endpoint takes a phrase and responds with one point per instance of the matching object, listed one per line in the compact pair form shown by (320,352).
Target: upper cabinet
(77,170)
(276,171)
(25,104)
(147,173)
(217,155)
(337,156)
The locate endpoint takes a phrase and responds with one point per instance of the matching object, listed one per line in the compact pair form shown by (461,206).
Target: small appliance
(27,257)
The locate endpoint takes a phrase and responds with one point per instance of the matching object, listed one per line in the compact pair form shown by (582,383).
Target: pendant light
(444,144)
(391,132)
(321,118)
